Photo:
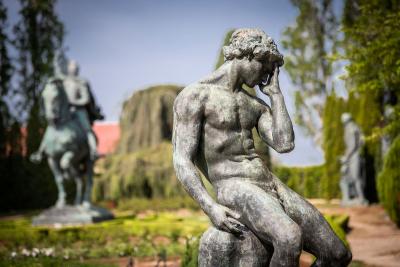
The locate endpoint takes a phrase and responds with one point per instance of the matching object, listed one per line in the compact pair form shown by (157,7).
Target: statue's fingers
(236,223)
(232,228)
(223,227)
(275,77)
(232,213)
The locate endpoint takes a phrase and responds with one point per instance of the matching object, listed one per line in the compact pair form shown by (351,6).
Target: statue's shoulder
(81,80)
(195,93)
(53,81)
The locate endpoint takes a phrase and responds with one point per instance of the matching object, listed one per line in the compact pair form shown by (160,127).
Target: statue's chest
(73,88)
(228,110)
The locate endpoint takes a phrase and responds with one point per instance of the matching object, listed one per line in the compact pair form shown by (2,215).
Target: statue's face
(256,71)
(73,68)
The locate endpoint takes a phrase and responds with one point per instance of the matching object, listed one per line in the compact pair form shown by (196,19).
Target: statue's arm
(188,119)
(274,125)
(186,136)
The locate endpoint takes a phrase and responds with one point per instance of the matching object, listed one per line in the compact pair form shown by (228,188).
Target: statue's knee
(291,240)
(66,160)
(342,256)
(338,256)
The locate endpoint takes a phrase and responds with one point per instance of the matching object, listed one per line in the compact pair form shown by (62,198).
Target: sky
(124,46)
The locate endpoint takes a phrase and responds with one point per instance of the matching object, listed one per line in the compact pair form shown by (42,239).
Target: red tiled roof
(108,134)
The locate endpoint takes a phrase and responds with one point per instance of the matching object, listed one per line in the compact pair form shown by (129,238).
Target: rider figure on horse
(69,142)
(82,104)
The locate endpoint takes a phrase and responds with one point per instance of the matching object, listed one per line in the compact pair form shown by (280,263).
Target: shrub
(389,182)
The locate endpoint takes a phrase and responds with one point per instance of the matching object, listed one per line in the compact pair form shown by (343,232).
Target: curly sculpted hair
(252,43)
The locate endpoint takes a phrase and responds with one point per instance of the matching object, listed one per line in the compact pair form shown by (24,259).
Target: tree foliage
(373,52)
(309,43)
(6,70)
(38,35)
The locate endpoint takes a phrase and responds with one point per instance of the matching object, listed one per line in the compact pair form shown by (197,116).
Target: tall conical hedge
(333,145)
(388,182)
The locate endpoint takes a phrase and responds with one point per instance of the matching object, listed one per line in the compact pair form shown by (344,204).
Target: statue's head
(256,49)
(73,68)
(346,117)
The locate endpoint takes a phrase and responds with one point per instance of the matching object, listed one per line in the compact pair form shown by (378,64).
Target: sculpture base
(72,215)
(219,248)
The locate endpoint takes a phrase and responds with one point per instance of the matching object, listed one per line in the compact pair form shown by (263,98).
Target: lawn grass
(139,236)
(48,262)
(166,233)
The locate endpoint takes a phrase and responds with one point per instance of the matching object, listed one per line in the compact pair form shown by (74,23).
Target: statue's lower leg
(344,187)
(61,200)
(89,184)
(58,178)
(92,145)
(78,196)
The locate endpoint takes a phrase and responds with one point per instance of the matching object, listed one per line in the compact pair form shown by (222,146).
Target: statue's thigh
(260,211)
(318,236)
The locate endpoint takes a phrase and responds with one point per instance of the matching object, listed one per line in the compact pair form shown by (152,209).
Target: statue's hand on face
(226,220)
(271,85)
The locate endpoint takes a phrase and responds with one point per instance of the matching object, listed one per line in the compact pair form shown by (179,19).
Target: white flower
(14,254)
(48,252)
(25,252)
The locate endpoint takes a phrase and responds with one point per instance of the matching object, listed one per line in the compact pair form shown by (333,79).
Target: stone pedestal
(219,248)
(72,215)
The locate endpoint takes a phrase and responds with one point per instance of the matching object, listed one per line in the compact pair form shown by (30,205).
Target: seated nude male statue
(213,122)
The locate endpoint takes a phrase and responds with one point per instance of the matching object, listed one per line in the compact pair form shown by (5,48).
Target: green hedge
(389,182)
(304,180)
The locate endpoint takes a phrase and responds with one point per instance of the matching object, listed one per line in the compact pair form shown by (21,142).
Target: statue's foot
(77,202)
(86,205)
(362,202)
(60,203)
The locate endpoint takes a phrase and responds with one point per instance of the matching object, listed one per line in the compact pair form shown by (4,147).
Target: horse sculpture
(65,145)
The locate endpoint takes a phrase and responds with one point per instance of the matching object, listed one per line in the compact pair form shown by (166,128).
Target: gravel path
(373,238)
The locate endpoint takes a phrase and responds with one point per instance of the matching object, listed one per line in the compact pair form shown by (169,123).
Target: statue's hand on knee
(226,219)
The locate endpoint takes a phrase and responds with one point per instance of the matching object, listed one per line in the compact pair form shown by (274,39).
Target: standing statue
(257,220)
(352,182)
